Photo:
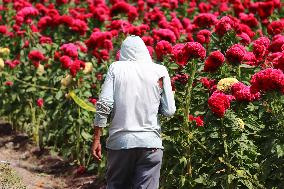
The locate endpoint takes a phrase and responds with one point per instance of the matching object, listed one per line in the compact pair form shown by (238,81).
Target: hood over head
(133,48)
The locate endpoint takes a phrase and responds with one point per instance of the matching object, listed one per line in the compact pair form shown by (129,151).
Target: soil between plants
(25,166)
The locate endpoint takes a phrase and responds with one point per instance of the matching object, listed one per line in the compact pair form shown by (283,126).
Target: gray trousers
(137,168)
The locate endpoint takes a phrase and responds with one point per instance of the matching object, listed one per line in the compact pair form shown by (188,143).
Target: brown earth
(39,169)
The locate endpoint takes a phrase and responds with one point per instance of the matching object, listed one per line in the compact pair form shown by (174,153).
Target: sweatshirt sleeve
(104,105)
(167,103)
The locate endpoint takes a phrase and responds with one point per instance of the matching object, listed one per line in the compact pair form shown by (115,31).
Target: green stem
(29,84)
(225,145)
(188,94)
(239,72)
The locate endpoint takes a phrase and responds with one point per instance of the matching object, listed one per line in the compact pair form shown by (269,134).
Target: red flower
(40,102)
(279,63)
(243,93)
(193,50)
(3,29)
(203,36)
(162,49)
(93,100)
(207,83)
(164,34)
(66,61)
(214,61)
(44,40)
(248,19)
(277,42)
(219,103)
(198,120)
(267,80)
(70,49)
(224,25)
(260,47)
(250,59)
(79,26)
(235,54)
(123,7)
(177,54)
(276,27)
(9,83)
(36,56)
(205,20)
(265,9)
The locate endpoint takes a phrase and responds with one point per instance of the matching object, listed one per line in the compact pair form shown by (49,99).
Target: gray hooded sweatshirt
(133,97)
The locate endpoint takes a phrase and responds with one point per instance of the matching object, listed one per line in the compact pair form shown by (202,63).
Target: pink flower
(277,42)
(214,61)
(224,25)
(40,102)
(3,29)
(248,19)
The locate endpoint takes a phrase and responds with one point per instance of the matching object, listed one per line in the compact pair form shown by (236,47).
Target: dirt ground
(39,169)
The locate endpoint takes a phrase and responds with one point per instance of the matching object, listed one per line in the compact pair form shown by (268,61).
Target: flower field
(225,59)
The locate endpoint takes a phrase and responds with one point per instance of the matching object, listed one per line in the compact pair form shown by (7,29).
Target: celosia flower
(219,103)
(40,102)
(162,49)
(79,26)
(66,61)
(248,19)
(177,54)
(3,29)
(224,25)
(203,36)
(235,54)
(36,56)
(245,39)
(70,49)
(243,93)
(265,9)
(277,42)
(214,61)
(275,27)
(267,80)
(123,7)
(164,34)
(193,50)
(207,83)
(9,83)
(45,40)
(205,20)
(4,51)
(198,120)
(225,84)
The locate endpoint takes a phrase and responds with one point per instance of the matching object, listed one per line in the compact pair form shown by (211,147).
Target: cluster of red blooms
(69,58)
(36,56)
(219,102)
(163,48)
(214,61)
(198,120)
(268,80)
(243,93)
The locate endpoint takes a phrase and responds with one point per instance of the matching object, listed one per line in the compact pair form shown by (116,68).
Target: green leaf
(82,103)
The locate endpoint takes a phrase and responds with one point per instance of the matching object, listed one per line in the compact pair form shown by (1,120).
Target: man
(135,90)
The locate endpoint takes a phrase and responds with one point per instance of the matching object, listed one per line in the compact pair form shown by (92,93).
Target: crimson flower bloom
(214,61)
(40,102)
(219,102)
(235,54)
(163,48)
(36,56)
(267,80)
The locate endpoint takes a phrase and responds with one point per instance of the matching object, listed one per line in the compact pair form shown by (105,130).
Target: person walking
(134,92)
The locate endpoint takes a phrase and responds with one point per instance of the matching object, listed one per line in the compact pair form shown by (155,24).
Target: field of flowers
(225,58)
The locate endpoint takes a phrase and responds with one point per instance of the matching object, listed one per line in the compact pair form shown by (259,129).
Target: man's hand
(97,150)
